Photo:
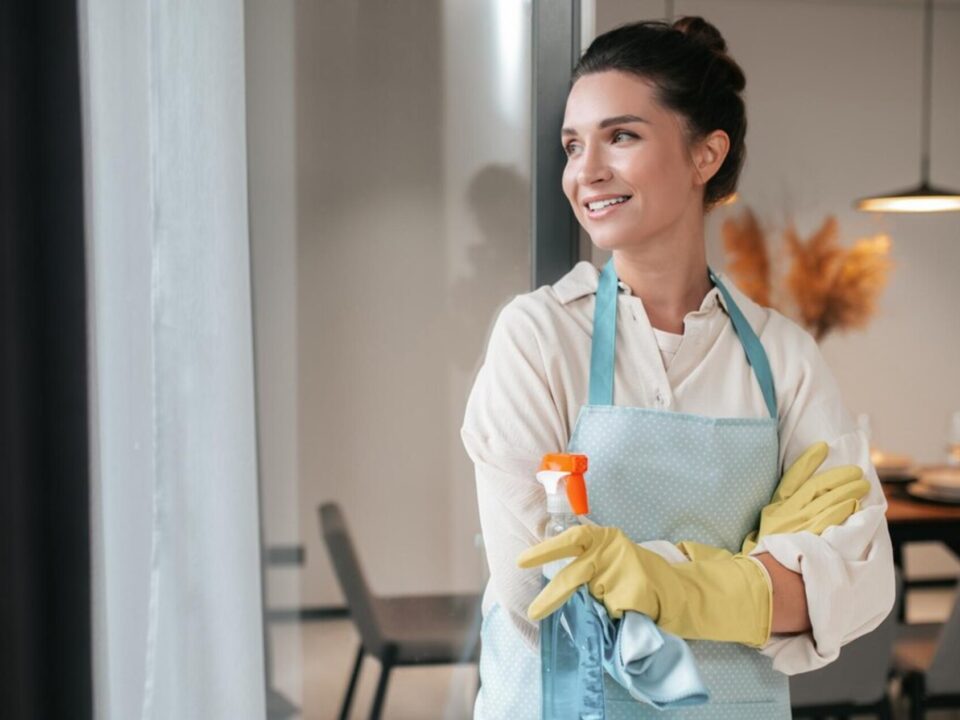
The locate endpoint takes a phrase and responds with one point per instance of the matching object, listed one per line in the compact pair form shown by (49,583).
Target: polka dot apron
(660,475)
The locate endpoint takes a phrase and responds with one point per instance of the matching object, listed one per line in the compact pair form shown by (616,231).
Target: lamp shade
(922,198)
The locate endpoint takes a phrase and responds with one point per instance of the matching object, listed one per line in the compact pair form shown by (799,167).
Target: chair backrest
(859,675)
(943,677)
(360,601)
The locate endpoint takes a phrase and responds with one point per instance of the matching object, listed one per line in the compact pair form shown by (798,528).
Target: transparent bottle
(570,639)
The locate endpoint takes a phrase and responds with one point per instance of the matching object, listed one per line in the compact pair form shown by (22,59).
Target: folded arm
(847,570)
(790,615)
(511,421)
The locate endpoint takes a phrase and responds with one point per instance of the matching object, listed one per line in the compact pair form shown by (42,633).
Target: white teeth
(600,204)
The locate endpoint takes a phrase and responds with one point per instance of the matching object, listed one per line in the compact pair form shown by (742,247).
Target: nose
(593,166)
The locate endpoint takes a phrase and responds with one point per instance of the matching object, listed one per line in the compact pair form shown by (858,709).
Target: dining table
(912,519)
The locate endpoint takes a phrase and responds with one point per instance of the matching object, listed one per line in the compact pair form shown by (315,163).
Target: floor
(312,663)
(329,649)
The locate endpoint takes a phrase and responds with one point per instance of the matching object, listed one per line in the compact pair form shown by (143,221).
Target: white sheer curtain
(176,565)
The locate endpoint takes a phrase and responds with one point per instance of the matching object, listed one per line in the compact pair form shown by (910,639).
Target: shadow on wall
(499,200)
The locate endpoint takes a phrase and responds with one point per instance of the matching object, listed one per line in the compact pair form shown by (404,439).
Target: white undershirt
(668,343)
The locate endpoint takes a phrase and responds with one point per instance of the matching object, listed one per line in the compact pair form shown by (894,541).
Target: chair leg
(386,664)
(348,698)
(915,685)
(885,709)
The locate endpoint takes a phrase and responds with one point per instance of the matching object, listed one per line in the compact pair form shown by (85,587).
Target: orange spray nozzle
(577,494)
(576,486)
(567,462)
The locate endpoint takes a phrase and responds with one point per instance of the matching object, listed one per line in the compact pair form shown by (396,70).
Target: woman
(688,398)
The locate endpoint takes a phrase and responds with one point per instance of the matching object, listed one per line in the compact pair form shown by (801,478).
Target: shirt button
(659,398)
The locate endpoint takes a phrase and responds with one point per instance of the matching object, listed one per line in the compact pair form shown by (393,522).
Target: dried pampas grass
(747,252)
(829,286)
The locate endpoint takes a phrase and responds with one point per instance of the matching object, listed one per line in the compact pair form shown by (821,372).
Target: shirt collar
(584,279)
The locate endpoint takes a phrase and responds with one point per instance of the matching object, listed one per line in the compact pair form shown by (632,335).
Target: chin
(610,241)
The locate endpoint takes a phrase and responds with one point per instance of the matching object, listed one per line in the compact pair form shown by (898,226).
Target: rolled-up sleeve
(848,569)
(511,421)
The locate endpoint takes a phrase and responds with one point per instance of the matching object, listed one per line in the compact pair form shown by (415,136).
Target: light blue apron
(660,475)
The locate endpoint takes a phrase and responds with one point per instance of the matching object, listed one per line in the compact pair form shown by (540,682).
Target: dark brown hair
(688,64)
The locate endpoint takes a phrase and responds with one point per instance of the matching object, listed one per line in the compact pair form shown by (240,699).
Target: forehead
(607,94)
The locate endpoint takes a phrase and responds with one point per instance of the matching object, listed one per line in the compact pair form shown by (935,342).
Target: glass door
(390,164)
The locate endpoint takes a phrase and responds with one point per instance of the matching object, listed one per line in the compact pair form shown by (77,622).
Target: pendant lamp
(924,197)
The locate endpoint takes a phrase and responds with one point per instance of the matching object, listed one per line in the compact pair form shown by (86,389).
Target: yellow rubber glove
(727,599)
(802,502)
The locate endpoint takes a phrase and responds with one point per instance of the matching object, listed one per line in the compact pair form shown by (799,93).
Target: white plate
(941,477)
(926,492)
(948,492)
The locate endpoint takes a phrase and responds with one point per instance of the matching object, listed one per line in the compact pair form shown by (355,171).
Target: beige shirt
(535,376)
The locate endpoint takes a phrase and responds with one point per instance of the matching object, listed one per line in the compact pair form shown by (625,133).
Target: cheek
(646,172)
(569,184)
(671,171)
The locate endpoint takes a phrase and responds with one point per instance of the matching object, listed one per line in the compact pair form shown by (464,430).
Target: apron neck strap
(756,355)
(603,348)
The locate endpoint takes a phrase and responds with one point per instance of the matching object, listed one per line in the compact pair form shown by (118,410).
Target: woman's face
(621,143)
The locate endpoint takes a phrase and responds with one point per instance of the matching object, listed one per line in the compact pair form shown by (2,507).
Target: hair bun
(702,32)
(706,35)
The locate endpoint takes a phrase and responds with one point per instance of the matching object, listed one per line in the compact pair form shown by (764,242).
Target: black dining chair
(399,630)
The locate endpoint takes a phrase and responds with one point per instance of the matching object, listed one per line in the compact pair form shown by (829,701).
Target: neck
(669,274)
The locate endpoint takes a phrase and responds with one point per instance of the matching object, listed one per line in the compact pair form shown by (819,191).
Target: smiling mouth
(607,208)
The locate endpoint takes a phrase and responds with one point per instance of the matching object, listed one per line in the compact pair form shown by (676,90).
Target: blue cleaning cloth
(655,667)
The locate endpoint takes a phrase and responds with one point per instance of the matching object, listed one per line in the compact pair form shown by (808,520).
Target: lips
(607,210)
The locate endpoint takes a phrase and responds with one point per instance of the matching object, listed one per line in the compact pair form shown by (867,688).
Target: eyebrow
(618,120)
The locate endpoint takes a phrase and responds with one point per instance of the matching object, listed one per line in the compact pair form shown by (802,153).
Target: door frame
(556,48)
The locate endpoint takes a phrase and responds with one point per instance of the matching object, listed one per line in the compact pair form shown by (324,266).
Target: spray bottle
(571,649)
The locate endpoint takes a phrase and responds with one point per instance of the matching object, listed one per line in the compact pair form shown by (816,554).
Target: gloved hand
(727,599)
(802,502)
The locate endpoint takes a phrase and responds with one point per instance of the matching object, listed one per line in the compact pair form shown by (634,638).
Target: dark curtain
(44,507)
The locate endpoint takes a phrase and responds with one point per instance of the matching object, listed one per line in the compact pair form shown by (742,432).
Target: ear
(709,154)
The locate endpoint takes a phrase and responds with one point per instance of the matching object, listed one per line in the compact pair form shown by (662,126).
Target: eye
(569,148)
